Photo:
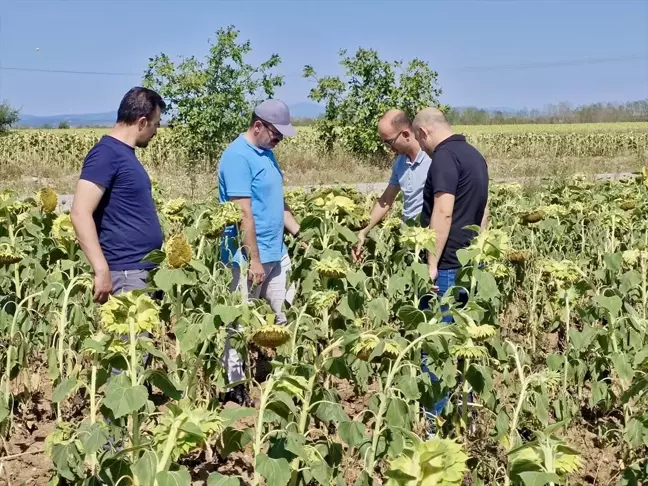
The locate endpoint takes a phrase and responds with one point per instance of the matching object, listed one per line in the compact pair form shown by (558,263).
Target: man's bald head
(430,127)
(430,117)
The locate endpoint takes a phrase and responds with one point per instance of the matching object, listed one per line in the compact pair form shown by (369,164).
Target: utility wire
(521,66)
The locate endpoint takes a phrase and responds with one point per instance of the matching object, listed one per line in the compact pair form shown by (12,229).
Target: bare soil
(26,463)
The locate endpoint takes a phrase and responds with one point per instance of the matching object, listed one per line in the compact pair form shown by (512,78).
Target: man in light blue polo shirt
(249,175)
(409,171)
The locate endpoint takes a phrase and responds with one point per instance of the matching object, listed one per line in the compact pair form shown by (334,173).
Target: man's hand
(256,273)
(433,272)
(356,251)
(102,285)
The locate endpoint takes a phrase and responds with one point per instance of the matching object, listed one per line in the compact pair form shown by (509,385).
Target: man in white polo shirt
(409,172)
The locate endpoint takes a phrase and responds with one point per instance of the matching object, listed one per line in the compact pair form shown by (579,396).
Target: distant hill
(301,110)
(78,120)
(306,110)
(298,110)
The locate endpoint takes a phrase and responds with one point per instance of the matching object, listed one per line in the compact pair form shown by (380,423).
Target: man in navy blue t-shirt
(113,211)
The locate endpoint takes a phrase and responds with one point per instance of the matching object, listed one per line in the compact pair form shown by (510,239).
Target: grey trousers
(273,290)
(127,280)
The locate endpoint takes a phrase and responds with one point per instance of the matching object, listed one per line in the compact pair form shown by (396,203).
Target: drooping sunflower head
(9,255)
(224,214)
(563,273)
(47,199)
(271,336)
(518,256)
(230,212)
(421,238)
(468,350)
(333,267)
(178,251)
(533,216)
(391,224)
(130,308)
(63,230)
(173,207)
(628,204)
(323,299)
(481,333)
(365,346)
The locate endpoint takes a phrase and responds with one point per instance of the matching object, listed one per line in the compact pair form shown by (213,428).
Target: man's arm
(290,223)
(440,222)
(86,199)
(378,212)
(442,178)
(382,206)
(249,238)
(484,221)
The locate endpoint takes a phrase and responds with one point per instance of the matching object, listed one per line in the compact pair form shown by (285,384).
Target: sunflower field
(66,149)
(545,367)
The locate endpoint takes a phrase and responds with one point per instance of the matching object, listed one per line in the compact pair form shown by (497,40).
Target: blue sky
(121,35)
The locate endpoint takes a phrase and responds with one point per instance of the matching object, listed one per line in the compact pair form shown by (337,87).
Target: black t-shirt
(457,168)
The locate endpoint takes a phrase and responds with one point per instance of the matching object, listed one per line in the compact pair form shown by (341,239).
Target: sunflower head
(468,351)
(47,199)
(178,251)
(271,336)
(628,204)
(533,216)
(173,208)
(333,267)
(391,224)
(63,230)
(323,299)
(224,214)
(120,311)
(9,255)
(419,238)
(480,333)
(518,256)
(366,345)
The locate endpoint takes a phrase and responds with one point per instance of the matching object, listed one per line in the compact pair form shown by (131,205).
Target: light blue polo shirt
(246,170)
(410,176)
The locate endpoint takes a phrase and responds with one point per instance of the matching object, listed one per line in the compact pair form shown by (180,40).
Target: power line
(573,62)
(66,71)
(532,65)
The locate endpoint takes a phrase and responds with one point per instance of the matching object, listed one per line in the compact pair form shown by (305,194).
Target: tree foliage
(8,117)
(209,102)
(372,86)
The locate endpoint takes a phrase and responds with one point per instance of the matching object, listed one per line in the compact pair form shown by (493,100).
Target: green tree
(210,102)
(353,107)
(64,125)
(8,117)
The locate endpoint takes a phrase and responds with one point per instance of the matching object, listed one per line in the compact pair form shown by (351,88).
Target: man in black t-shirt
(455,193)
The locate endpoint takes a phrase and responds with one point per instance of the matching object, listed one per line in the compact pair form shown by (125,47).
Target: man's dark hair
(139,102)
(401,121)
(255,118)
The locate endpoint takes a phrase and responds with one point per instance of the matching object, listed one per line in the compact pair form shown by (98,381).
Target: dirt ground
(25,462)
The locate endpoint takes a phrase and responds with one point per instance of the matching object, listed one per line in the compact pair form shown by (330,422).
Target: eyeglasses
(273,131)
(391,141)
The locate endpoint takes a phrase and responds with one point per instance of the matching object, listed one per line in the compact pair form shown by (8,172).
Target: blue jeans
(445,280)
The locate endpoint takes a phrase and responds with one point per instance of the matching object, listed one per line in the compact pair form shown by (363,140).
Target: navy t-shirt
(127,223)
(457,168)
